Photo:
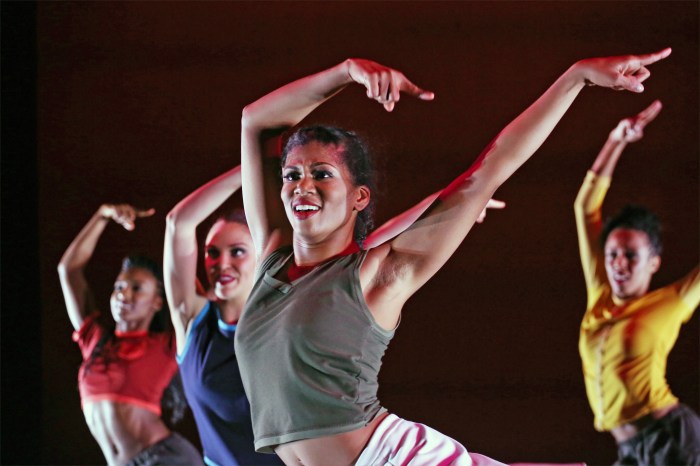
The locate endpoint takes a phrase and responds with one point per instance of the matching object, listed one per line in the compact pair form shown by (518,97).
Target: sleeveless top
(214,391)
(309,352)
(133,367)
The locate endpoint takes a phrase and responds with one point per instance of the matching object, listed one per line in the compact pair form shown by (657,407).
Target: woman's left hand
(383,84)
(626,72)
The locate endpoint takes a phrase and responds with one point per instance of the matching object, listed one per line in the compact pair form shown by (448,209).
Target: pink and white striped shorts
(397,442)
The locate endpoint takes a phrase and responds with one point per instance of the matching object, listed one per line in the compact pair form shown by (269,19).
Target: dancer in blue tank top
(205,322)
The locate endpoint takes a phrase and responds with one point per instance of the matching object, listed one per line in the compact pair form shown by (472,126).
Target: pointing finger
(145,213)
(649,58)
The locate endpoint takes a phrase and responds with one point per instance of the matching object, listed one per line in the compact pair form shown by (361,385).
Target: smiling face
(318,194)
(135,299)
(229,260)
(630,262)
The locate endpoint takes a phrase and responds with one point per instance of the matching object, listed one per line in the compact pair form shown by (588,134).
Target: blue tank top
(215,393)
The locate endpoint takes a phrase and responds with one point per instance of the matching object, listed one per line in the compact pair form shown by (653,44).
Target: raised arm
(589,200)
(393,227)
(180,252)
(286,107)
(76,290)
(627,130)
(424,247)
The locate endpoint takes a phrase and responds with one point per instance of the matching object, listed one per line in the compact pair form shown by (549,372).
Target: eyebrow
(313,165)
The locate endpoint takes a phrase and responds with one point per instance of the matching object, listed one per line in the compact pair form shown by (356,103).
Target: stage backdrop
(140,102)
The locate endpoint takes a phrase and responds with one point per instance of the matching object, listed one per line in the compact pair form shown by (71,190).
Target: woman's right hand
(632,129)
(626,72)
(124,214)
(383,84)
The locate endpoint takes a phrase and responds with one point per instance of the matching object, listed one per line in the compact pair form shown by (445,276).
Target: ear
(363,196)
(157,303)
(655,263)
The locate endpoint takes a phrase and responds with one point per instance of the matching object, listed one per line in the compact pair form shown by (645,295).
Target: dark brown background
(140,103)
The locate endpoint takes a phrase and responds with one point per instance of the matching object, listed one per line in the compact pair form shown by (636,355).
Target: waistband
(632,432)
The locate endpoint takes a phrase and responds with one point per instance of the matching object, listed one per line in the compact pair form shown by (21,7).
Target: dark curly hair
(357,159)
(635,217)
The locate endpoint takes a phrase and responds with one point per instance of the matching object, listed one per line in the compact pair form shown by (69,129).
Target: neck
(310,254)
(125,327)
(230,310)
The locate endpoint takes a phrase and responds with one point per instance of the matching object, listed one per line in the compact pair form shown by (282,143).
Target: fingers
(384,84)
(145,213)
(648,114)
(126,215)
(633,81)
(495,204)
(649,58)
(491,204)
(629,83)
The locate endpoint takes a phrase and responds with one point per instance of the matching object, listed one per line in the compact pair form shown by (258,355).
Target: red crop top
(140,366)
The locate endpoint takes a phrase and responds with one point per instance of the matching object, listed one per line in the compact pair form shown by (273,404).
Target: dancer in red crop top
(126,365)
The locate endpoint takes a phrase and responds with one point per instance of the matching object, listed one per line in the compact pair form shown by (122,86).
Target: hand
(492,204)
(384,84)
(632,129)
(620,73)
(124,214)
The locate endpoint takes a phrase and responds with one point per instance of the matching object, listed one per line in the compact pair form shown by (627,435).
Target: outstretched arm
(76,291)
(180,251)
(424,247)
(393,227)
(286,107)
(589,200)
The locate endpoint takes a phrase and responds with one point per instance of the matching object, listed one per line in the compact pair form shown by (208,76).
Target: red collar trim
(297,271)
(131,333)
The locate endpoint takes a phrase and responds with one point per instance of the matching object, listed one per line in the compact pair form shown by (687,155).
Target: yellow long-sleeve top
(624,346)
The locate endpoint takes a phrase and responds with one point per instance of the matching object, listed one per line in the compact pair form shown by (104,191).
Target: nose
(124,294)
(619,262)
(225,260)
(304,186)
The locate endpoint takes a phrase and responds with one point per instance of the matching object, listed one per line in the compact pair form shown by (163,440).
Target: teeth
(302,207)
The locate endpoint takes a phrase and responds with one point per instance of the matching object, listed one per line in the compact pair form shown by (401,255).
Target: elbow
(173,222)
(248,118)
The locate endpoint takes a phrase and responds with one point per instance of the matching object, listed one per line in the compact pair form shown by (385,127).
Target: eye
(212,253)
(631,255)
(290,175)
(237,252)
(136,287)
(322,174)
(119,286)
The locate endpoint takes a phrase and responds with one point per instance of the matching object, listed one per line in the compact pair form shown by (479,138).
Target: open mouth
(303,210)
(225,279)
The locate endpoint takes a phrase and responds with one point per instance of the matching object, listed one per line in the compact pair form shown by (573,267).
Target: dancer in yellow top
(628,331)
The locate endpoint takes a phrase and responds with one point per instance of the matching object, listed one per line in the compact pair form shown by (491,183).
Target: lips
(304,209)
(225,279)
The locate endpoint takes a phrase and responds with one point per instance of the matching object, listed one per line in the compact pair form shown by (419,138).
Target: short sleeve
(88,334)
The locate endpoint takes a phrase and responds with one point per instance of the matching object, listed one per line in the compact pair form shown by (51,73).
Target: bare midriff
(340,449)
(123,430)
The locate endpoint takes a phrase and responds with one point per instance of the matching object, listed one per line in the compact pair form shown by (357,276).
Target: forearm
(82,247)
(288,105)
(519,140)
(281,108)
(609,155)
(70,269)
(196,207)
